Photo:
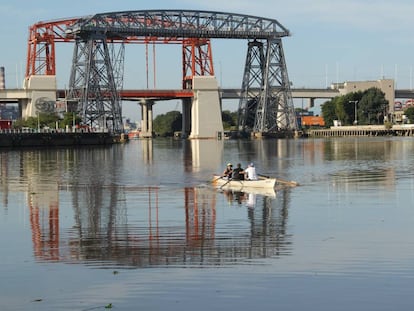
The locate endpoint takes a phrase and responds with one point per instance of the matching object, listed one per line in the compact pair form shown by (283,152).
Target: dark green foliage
(229,119)
(48,120)
(409,112)
(167,124)
(69,119)
(42,121)
(372,107)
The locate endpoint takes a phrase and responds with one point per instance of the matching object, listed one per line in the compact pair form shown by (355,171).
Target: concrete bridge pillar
(186,118)
(206,119)
(41,91)
(146,118)
(311,102)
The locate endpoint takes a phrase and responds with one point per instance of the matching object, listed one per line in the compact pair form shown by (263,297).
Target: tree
(229,119)
(41,121)
(409,112)
(372,107)
(329,112)
(167,124)
(69,119)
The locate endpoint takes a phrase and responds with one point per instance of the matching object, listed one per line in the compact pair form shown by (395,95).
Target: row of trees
(48,120)
(164,124)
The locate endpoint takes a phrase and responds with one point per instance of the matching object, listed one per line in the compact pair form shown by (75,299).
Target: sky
(331,41)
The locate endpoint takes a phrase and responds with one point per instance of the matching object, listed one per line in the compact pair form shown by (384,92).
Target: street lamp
(356,115)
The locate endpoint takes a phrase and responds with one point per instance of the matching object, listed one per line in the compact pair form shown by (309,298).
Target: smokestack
(2,79)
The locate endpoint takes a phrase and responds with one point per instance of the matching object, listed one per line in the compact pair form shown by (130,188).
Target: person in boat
(228,172)
(250,172)
(238,173)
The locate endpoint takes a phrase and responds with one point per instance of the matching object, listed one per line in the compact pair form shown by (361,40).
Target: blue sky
(332,41)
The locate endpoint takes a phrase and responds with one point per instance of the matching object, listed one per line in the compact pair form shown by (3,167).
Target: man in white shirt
(250,171)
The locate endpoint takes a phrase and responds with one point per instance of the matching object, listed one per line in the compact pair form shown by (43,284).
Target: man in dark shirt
(238,172)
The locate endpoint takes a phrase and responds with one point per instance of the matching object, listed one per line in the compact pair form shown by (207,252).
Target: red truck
(6,124)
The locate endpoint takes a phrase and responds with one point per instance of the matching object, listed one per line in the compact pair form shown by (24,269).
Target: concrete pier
(17,139)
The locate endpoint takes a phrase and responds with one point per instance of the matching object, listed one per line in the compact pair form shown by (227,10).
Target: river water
(138,226)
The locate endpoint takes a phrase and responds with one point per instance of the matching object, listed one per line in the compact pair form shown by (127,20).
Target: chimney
(2,79)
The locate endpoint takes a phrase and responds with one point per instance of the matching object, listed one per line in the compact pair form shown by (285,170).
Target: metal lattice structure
(97,74)
(94,87)
(266,104)
(252,84)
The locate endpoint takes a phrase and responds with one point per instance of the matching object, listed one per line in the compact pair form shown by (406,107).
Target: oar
(290,183)
(281,181)
(225,183)
(214,180)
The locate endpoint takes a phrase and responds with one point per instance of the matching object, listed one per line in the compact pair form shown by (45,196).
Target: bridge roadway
(224,94)
(14,95)
(234,93)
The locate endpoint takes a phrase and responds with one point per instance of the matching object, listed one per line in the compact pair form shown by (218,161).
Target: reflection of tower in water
(99,209)
(200,216)
(99,206)
(4,179)
(268,232)
(44,222)
(43,201)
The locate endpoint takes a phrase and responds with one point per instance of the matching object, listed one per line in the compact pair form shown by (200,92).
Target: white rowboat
(244,184)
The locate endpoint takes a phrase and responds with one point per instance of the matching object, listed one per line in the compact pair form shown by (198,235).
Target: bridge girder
(180,24)
(163,26)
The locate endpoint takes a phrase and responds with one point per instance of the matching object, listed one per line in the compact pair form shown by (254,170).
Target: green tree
(372,107)
(229,119)
(167,124)
(41,121)
(338,108)
(329,112)
(409,112)
(69,119)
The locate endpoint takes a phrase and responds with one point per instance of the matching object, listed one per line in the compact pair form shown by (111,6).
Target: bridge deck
(13,95)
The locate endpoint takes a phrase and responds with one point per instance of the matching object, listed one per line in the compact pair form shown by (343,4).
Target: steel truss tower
(266,104)
(197,60)
(95,81)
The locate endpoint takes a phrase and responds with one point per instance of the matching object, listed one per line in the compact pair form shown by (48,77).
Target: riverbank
(56,139)
(362,130)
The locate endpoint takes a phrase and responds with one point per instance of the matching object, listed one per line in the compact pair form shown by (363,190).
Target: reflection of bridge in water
(135,226)
(103,236)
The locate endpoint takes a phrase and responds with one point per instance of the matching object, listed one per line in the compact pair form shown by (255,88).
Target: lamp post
(356,115)
(38,122)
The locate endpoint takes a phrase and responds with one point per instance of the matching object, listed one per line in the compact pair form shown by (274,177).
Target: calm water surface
(139,226)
